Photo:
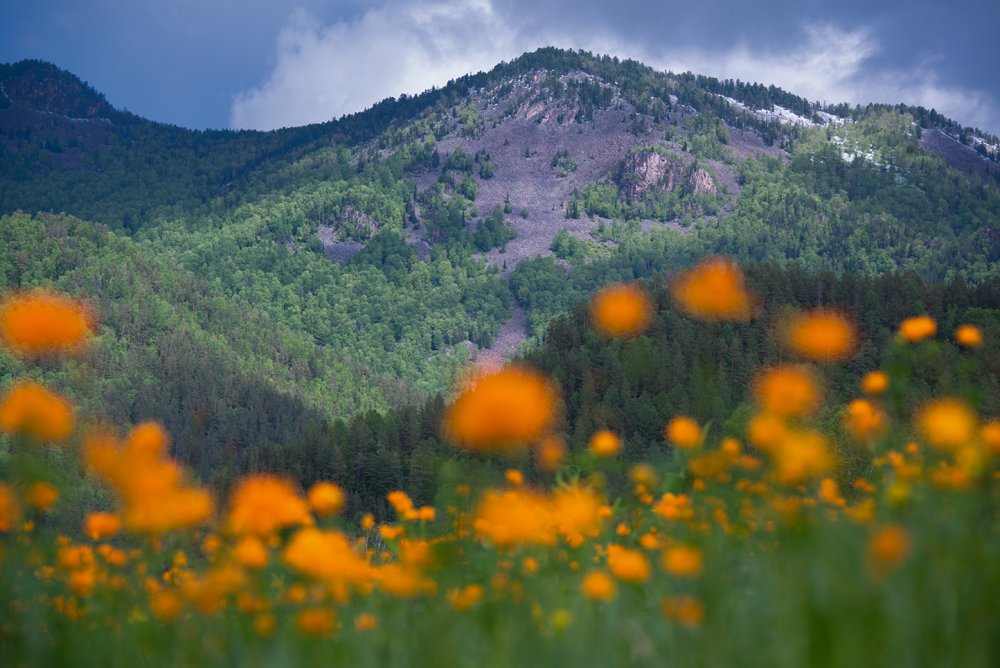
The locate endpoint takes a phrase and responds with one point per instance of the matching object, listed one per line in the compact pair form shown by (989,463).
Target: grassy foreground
(857,535)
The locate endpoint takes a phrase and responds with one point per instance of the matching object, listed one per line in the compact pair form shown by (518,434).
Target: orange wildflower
(621,310)
(250,552)
(466,597)
(514,477)
(605,443)
(551,453)
(400,501)
(165,605)
(364,622)
(327,499)
(917,328)
(598,586)
(684,610)
(262,504)
(683,561)
(628,565)
(802,455)
(576,513)
(325,555)
(316,621)
(402,581)
(674,507)
(863,420)
(821,335)
(714,290)
(99,526)
(10,510)
(947,423)
(515,516)
(43,323)
(29,408)
(875,382)
(788,390)
(989,433)
(684,432)
(501,410)
(42,496)
(888,547)
(969,336)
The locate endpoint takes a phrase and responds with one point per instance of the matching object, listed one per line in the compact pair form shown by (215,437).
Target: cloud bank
(325,70)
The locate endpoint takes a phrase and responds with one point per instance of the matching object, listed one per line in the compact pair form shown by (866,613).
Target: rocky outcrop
(643,170)
(702,182)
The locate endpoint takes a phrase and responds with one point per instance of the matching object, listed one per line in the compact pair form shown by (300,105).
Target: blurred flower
(514,516)
(262,504)
(326,555)
(99,526)
(917,328)
(42,496)
(10,510)
(800,456)
(364,622)
(598,586)
(43,323)
(682,561)
(29,408)
(875,382)
(551,453)
(788,390)
(326,499)
(969,336)
(316,621)
(863,420)
(501,410)
(621,310)
(714,290)
(947,423)
(250,552)
(605,443)
(821,335)
(684,610)
(628,565)
(888,547)
(466,597)
(684,432)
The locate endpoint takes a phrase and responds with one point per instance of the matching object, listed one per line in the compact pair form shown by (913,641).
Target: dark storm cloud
(267,63)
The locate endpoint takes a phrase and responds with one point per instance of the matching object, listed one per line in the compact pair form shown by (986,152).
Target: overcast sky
(270,63)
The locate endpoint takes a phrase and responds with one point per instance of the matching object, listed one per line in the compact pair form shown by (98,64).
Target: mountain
(395,245)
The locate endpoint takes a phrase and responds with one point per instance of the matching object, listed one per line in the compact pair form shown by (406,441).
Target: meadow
(824,534)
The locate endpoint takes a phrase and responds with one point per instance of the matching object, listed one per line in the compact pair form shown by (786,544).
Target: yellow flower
(683,561)
(43,323)
(947,423)
(628,565)
(326,499)
(714,290)
(621,310)
(29,408)
(501,410)
(605,443)
(822,335)
(788,390)
(875,382)
(262,504)
(917,328)
(598,586)
(683,432)
(969,336)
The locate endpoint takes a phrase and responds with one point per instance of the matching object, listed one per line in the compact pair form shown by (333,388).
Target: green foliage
(493,232)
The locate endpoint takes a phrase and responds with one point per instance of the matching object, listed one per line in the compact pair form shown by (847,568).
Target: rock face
(643,170)
(702,182)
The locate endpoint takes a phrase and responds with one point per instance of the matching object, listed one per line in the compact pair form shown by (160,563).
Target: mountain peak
(40,86)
